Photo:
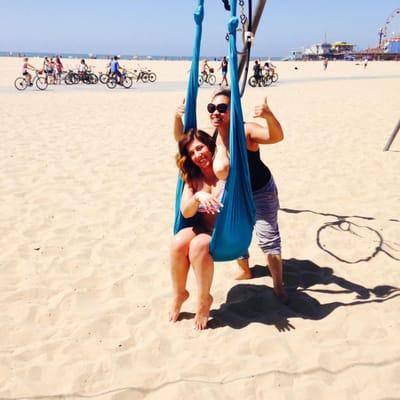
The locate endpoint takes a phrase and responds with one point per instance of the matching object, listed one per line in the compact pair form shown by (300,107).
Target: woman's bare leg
(274,262)
(203,265)
(179,259)
(244,273)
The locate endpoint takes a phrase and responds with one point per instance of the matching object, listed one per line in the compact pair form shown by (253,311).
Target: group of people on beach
(259,70)
(204,164)
(52,67)
(206,69)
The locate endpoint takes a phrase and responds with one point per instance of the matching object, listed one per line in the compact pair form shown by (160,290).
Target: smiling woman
(201,201)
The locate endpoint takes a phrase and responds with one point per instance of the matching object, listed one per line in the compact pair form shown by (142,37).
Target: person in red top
(59,70)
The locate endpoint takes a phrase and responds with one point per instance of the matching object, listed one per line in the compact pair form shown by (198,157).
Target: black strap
(226,5)
(215,134)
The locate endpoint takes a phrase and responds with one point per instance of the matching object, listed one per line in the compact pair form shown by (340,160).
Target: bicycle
(138,75)
(104,77)
(71,78)
(124,80)
(145,75)
(259,80)
(87,77)
(21,83)
(207,78)
(272,75)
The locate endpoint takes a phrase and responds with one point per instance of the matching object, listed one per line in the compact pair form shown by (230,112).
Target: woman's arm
(221,161)
(259,134)
(178,124)
(189,202)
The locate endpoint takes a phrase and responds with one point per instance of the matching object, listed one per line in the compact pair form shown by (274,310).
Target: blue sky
(165,27)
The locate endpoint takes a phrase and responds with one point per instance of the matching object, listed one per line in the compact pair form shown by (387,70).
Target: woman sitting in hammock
(263,186)
(190,246)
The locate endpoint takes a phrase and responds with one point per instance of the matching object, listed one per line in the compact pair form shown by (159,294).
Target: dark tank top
(259,172)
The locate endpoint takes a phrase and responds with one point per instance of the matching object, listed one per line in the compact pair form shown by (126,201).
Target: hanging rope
(190,111)
(234,225)
(247,37)
(247,40)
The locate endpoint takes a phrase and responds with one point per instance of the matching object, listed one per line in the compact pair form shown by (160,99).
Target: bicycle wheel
(145,77)
(152,77)
(211,79)
(75,78)
(252,81)
(93,78)
(104,78)
(127,82)
(86,79)
(20,83)
(274,77)
(111,83)
(41,83)
(266,81)
(201,80)
(68,79)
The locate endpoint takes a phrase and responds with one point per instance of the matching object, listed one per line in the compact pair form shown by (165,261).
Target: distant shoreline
(122,56)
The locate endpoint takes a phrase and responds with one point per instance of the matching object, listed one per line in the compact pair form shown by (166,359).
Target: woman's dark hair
(187,169)
(222,92)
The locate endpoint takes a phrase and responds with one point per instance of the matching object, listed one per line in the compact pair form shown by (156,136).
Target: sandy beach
(87,182)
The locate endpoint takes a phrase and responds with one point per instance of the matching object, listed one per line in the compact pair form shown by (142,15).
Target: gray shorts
(267,230)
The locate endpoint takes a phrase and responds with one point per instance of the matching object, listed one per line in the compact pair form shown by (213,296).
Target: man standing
(115,69)
(257,72)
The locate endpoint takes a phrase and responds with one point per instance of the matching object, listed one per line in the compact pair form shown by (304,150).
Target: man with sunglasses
(263,186)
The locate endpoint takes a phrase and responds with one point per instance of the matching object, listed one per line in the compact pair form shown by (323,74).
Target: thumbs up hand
(180,110)
(262,110)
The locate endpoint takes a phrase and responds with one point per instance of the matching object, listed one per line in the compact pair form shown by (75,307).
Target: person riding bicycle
(115,70)
(25,67)
(257,72)
(205,69)
(268,68)
(82,71)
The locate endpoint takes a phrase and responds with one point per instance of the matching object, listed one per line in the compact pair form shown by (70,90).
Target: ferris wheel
(391,28)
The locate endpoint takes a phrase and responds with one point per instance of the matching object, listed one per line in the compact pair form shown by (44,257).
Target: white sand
(87,182)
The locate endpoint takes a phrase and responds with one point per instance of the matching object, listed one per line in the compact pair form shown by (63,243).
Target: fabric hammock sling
(234,225)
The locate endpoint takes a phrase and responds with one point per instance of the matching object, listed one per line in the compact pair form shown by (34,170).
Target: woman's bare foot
(244,269)
(202,314)
(243,275)
(177,302)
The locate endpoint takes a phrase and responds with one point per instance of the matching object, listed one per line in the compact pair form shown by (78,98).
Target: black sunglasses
(221,108)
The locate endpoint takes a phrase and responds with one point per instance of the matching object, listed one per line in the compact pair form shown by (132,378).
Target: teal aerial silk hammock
(234,225)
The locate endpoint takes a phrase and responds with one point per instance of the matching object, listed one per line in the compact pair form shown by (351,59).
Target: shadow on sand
(344,225)
(248,303)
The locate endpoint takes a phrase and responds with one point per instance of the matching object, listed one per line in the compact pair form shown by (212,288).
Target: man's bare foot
(176,305)
(281,294)
(243,275)
(202,314)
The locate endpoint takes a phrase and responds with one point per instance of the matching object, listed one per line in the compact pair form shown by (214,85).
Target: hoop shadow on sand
(370,241)
(249,303)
